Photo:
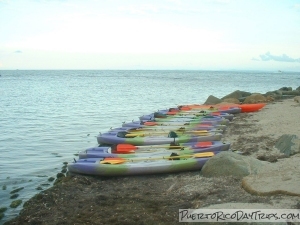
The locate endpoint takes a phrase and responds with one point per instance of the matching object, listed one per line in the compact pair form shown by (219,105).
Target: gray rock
(211,100)
(297,99)
(232,164)
(291,92)
(281,94)
(288,144)
(286,89)
(231,100)
(237,94)
(280,178)
(278,92)
(255,98)
(275,94)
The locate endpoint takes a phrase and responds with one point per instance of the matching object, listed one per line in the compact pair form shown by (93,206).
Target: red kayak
(251,107)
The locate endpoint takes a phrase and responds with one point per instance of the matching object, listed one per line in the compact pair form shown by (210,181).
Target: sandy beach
(155,199)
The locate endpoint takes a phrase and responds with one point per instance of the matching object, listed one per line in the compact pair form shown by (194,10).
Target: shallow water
(48,116)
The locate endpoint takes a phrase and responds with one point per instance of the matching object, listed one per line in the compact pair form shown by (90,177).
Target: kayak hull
(251,107)
(92,166)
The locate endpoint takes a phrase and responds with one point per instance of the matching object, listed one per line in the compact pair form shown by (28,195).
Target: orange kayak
(251,107)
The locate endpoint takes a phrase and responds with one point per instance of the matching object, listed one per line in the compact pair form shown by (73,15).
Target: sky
(156,34)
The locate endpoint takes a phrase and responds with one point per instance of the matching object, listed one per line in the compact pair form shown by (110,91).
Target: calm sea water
(48,116)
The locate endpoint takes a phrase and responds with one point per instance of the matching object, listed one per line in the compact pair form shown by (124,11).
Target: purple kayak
(123,137)
(140,151)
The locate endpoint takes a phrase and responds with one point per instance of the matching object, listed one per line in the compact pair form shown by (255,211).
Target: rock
(286,89)
(237,94)
(283,177)
(298,88)
(231,164)
(16,203)
(60,175)
(14,196)
(288,144)
(3,209)
(297,99)
(255,98)
(212,100)
(231,100)
(275,183)
(278,92)
(274,94)
(51,179)
(295,93)
(16,190)
(270,98)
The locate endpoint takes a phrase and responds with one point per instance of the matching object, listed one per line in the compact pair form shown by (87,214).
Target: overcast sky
(156,34)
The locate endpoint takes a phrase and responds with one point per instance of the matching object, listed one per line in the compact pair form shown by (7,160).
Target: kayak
(230,108)
(200,126)
(167,129)
(132,151)
(123,137)
(219,119)
(251,107)
(172,115)
(139,166)
(187,125)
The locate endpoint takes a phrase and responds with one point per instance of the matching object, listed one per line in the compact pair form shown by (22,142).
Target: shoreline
(80,199)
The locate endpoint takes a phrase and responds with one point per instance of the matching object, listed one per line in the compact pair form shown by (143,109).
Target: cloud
(281,58)
(18,51)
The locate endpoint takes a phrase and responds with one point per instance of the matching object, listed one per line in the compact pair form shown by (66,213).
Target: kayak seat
(175,158)
(124,134)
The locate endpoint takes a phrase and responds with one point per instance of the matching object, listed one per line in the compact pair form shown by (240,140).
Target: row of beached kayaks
(173,140)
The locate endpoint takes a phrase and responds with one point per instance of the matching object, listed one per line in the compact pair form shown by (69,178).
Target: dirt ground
(155,199)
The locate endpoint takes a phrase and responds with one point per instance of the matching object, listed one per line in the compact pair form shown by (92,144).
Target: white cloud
(280,58)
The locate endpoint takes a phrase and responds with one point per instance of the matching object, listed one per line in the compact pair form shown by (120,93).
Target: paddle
(132,135)
(162,131)
(128,148)
(172,113)
(124,160)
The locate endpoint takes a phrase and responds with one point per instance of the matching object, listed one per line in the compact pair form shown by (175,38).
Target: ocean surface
(48,116)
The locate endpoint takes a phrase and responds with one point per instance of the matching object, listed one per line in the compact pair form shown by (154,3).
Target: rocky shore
(266,175)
